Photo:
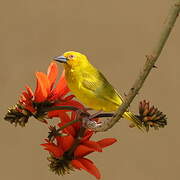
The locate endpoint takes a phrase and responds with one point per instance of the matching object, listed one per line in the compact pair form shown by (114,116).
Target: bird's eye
(70,57)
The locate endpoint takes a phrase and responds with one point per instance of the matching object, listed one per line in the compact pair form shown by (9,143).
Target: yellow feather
(91,87)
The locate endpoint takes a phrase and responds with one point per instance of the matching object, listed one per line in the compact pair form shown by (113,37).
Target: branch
(54,108)
(149,64)
(72,108)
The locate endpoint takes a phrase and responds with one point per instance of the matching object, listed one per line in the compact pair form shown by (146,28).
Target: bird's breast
(73,79)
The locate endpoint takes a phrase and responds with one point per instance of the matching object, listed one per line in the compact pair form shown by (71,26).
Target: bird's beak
(60,59)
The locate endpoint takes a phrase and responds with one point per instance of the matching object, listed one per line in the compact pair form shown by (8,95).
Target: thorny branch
(149,64)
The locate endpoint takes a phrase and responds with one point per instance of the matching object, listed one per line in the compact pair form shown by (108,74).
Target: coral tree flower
(44,91)
(46,95)
(69,151)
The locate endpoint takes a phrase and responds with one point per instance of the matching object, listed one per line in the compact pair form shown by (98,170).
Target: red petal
(76,125)
(68,130)
(23,99)
(106,142)
(61,88)
(26,95)
(68,98)
(55,113)
(30,92)
(57,151)
(73,115)
(89,160)
(74,103)
(30,108)
(64,117)
(52,73)
(78,165)
(42,88)
(52,114)
(67,103)
(92,144)
(82,151)
(87,135)
(65,142)
(91,168)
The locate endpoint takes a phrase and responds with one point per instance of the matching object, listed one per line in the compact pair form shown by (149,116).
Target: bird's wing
(99,85)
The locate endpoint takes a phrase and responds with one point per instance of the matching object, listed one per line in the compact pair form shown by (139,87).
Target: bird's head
(72,59)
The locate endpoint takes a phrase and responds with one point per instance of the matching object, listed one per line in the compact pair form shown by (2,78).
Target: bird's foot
(80,113)
(91,121)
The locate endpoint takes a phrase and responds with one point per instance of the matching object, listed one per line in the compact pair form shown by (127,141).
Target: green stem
(68,124)
(54,108)
(77,120)
(72,108)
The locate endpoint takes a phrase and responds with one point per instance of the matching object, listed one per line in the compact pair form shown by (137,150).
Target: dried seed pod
(151,117)
(60,166)
(17,115)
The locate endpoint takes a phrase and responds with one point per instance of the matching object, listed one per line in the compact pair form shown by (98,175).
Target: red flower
(44,99)
(68,151)
(45,83)
(46,94)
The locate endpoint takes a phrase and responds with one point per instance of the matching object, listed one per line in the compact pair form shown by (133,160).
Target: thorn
(177,4)
(149,57)
(125,94)
(131,125)
(155,66)
(132,89)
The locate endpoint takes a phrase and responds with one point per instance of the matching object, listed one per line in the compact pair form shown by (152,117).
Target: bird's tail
(130,116)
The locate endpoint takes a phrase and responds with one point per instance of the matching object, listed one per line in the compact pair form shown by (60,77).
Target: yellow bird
(90,86)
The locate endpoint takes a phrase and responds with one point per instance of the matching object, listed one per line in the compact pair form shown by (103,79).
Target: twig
(72,108)
(149,64)
(54,108)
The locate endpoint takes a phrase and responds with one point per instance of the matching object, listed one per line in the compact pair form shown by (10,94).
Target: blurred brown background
(115,35)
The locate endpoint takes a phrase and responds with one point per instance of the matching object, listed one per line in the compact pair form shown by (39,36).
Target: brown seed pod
(151,117)
(60,166)
(17,115)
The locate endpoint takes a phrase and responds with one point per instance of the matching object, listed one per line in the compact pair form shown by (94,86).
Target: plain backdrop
(115,35)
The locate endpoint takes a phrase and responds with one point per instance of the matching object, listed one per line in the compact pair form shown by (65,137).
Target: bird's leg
(88,122)
(81,113)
